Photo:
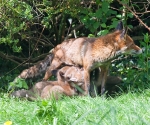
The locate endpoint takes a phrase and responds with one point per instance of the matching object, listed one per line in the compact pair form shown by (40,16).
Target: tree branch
(18,60)
(136,16)
(76,28)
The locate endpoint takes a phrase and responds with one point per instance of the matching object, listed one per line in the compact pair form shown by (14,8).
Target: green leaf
(84,11)
(98,1)
(20,83)
(104,20)
(113,12)
(143,44)
(91,35)
(103,25)
(16,48)
(130,15)
(130,26)
(102,32)
(114,23)
(96,25)
(98,13)
(105,6)
(119,16)
(146,38)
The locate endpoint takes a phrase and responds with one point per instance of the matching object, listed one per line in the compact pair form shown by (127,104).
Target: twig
(74,32)
(76,28)
(30,55)
(136,16)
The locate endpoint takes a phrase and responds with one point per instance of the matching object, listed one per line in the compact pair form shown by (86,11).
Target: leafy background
(30,29)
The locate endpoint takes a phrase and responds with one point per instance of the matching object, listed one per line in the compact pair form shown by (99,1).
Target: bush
(135,69)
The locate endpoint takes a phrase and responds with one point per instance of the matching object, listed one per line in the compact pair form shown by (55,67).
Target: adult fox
(91,53)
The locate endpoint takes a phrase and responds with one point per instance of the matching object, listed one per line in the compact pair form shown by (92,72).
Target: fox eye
(67,78)
(61,73)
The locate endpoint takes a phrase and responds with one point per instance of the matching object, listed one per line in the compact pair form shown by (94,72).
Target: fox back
(95,51)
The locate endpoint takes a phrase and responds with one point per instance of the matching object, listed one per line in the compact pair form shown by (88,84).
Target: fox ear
(124,31)
(119,26)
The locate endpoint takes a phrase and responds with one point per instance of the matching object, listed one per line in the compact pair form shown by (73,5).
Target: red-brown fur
(46,90)
(91,53)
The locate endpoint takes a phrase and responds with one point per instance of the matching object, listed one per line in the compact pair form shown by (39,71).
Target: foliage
(29,29)
(13,20)
(135,70)
(128,109)
(50,111)
(18,83)
(140,76)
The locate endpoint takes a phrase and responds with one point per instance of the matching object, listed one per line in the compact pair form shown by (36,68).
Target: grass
(125,109)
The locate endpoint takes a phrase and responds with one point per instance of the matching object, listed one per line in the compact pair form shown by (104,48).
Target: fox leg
(48,74)
(56,63)
(95,82)
(86,86)
(103,77)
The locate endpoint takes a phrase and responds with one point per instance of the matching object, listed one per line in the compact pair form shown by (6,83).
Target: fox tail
(37,70)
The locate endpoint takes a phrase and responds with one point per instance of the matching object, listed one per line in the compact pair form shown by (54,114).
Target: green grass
(125,109)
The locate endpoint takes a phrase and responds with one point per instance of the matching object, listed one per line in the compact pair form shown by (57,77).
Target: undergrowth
(124,109)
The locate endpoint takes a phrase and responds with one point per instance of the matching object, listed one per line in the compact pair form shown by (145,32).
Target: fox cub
(67,80)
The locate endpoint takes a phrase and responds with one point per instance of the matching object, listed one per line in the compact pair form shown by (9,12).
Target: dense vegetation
(30,29)
(126,109)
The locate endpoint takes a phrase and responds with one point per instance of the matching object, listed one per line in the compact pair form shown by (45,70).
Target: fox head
(69,74)
(124,42)
(72,74)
